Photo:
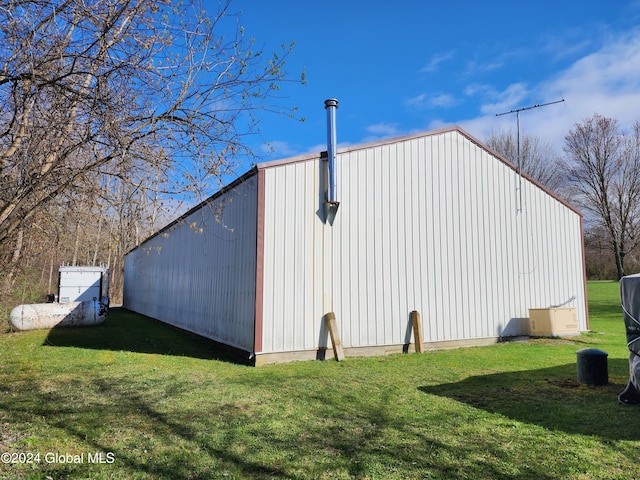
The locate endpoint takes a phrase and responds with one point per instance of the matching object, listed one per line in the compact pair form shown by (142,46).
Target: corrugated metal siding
(430,224)
(292,289)
(200,273)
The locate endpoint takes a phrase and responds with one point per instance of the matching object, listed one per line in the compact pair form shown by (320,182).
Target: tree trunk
(619,263)
(13,265)
(76,245)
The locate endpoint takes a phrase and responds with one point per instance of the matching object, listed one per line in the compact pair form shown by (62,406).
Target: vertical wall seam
(259,296)
(584,274)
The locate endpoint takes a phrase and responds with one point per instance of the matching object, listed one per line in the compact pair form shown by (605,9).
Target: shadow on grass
(551,398)
(607,310)
(146,441)
(132,332)
(197,426)
(350,436)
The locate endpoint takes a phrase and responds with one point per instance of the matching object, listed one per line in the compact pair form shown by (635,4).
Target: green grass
(163,404)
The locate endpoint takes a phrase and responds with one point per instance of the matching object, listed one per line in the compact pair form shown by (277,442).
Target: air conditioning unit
(553,322)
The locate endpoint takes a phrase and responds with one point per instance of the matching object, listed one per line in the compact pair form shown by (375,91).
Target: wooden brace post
(417,331)
(332,326)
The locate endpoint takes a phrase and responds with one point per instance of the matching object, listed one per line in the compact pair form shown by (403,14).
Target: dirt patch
(8,437)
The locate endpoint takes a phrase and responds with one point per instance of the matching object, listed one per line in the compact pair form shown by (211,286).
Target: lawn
(136,399)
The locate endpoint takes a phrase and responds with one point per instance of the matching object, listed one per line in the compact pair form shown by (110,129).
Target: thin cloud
(604,81)
(380,131)
(477,68)
(436,60)
(384,129)
(496,101)
(417,101)
(476,89)
(443,100)
(440,100)
(571,44)
(497,59)
(612,70)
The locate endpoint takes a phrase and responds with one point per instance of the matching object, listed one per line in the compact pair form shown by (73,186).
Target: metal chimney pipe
(331,105)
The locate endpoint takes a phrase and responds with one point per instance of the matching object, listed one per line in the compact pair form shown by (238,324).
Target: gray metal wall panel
(200,274)
(429,223)
(290,261)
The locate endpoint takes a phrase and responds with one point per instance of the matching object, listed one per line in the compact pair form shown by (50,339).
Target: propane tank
(48,315)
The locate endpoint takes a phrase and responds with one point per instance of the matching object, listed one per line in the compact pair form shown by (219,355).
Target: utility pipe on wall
(331,105)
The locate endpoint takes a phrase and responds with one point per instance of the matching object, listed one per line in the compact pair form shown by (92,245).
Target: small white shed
(83,284)
(433,222)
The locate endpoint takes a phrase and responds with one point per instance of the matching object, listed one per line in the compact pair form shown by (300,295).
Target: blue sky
(409,66)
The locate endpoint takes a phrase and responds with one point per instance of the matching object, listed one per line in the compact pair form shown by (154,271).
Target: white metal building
(434,222)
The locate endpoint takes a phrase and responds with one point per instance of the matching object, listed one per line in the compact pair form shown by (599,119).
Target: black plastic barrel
(592,366)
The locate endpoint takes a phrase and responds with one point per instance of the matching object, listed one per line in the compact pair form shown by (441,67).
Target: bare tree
(604,170)
(538,159)
(121,88)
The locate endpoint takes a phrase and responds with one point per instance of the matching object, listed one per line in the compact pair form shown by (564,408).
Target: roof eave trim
(230,186)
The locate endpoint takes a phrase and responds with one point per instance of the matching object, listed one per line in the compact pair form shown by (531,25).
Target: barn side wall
(431,223)
(199,273)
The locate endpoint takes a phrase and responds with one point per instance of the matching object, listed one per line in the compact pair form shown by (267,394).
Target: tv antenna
(518,165)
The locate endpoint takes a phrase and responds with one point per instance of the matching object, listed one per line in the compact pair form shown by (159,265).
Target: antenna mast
(519,166)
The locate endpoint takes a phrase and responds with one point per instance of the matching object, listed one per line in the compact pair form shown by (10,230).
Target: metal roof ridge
(412,136)
(357,146)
